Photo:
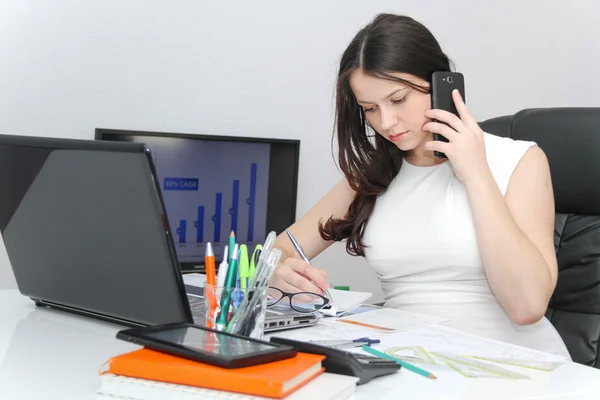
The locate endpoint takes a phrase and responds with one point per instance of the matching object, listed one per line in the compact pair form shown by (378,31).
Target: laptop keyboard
(197,306)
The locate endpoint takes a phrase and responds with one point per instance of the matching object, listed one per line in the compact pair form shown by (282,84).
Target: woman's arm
(293,274)
(515,234)
(306,229)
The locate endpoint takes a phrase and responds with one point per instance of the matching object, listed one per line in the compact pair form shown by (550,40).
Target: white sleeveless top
(422,246)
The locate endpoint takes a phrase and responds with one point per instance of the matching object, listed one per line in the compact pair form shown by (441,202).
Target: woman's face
(394,110)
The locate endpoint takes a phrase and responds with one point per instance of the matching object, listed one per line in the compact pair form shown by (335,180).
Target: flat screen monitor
(213,185)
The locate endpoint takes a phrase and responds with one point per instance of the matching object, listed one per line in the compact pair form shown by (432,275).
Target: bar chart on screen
(218,217)
(211,189)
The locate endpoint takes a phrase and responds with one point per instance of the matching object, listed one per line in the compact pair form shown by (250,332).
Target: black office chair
(570,137)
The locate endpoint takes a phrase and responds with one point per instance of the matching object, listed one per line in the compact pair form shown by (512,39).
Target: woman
(468,238)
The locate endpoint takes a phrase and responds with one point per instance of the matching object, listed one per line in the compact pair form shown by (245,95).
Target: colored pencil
(231,244)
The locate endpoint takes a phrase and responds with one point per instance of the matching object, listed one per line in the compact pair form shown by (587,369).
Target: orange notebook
(276,379)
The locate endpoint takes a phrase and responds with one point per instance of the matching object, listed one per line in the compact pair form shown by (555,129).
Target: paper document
(439,338)
(390,320)
(422,341)
(436,346)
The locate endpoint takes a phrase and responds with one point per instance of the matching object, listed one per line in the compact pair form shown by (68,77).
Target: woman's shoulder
(503,155)
(497,146)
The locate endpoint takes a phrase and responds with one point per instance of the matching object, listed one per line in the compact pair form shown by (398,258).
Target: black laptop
(85,230)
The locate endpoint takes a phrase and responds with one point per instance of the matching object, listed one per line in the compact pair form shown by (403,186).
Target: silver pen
(300,251)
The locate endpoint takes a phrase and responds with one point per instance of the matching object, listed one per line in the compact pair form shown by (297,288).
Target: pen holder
(246,313)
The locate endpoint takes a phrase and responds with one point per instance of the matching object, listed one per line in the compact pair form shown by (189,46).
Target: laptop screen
(84,227)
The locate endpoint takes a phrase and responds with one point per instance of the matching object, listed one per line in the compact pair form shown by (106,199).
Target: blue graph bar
(200,225)
(251,201)
(217,217)
(234,205)
(181,230)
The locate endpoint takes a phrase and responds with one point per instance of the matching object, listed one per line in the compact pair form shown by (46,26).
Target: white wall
(266,68)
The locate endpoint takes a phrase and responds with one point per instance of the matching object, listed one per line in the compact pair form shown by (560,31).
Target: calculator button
(373,361)
(382,362)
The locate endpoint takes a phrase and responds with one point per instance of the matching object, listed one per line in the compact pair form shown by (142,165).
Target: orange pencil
(211,289)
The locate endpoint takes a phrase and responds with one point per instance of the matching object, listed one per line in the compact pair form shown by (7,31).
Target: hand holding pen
(300,251)
(295,275)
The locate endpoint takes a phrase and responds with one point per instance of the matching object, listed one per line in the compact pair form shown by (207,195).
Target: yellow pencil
(404,364)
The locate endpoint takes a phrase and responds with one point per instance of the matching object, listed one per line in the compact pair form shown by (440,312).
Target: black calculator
(363,366)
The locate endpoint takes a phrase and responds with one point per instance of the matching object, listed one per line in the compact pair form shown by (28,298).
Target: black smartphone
(442,85)
(205,345)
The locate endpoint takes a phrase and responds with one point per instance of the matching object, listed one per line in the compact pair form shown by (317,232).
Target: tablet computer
(205,345)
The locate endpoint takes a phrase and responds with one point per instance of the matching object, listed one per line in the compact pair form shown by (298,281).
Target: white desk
(49,354)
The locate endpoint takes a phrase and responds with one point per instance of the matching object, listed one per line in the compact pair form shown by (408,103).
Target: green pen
(244,266)
(254,260)
(229,286)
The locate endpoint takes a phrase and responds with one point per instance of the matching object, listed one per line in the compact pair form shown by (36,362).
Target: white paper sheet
(439,338)
(391,320)
(345,300)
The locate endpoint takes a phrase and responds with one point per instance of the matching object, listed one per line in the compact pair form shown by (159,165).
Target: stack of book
(150,375)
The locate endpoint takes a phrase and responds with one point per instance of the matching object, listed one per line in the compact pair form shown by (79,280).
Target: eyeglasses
(303,302)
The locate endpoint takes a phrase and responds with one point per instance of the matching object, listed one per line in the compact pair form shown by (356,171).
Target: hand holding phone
(442,85)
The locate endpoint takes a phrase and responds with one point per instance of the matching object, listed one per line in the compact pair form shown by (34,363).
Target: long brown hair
(390,43)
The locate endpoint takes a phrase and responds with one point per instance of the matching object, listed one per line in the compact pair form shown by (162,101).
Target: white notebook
(344,300)
(114,387)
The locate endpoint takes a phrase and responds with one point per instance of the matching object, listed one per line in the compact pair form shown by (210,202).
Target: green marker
(244,267)
(342,287)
